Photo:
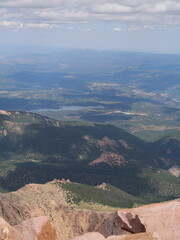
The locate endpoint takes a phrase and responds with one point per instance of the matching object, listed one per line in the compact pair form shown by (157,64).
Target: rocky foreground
(44,212)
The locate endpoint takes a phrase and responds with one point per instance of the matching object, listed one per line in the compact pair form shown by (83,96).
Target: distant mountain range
(38,149)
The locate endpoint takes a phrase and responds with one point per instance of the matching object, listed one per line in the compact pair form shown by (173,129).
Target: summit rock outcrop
(24,209)
(162,219)
(38,228)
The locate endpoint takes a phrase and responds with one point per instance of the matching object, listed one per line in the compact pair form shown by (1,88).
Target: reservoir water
(65,108)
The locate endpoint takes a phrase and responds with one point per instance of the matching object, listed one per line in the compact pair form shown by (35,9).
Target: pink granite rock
(7,232)
(91,236)
(163,219)
(118,237)
(130,222)
(138,236)
(38,228)
(115,237)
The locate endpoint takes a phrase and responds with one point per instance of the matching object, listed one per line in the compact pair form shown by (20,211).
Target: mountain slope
(38,149)
(28,136)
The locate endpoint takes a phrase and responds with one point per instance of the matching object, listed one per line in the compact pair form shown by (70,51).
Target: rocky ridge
(150,222)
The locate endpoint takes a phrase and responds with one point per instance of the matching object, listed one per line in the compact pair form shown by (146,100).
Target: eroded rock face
(38,228)
(108,224)
(75,222)
(130,222)
(12,209)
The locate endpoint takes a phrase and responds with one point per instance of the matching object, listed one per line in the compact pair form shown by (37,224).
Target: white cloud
(112,8)
(28,3)
(71,28)
(118,29)
(11,24)
(3,11)
(139,27)
(85,29)
(49,13)
(60,16)
(160,7)
(40,25)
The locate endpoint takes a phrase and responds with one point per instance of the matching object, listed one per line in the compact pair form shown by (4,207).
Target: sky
(126,25)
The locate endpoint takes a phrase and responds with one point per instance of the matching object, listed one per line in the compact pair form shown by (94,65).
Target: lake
(65,108)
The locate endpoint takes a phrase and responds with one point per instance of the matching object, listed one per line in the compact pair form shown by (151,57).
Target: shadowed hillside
(38,149)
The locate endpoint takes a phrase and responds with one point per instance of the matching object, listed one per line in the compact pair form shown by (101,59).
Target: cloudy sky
(134,25)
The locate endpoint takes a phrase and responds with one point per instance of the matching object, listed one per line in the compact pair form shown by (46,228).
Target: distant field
(136,91)
(152,135)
